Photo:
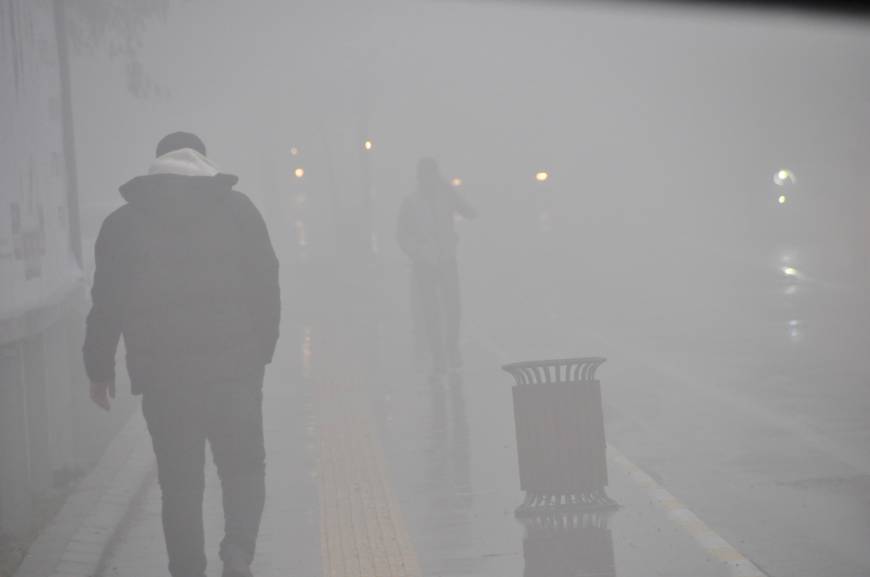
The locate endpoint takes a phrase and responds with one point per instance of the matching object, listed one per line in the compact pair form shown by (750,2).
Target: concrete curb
(76,540)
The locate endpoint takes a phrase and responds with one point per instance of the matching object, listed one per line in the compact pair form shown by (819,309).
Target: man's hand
(101,393)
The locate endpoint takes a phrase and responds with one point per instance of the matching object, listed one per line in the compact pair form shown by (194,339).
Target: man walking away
(185,271)
(427,235)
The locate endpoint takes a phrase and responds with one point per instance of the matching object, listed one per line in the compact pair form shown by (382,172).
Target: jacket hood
(184,161)
(180,184)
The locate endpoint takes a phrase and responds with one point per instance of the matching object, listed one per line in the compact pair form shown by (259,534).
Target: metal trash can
(560,435)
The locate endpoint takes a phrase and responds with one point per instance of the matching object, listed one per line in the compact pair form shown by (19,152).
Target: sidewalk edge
(74,542)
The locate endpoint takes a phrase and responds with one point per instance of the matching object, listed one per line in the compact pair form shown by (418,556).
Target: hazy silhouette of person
(427,235)
(185,271)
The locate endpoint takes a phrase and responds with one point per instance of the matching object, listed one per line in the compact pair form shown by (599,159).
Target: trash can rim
(545,362)
(572,370)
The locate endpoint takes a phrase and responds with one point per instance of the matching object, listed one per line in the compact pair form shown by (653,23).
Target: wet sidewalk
(452,452)
(289,542)
(385,474)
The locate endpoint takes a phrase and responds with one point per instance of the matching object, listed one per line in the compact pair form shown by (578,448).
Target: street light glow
(782,199)
(294,151)
(542,176)
(789,271)
(783,177)
(299,172)
(368,145)
(456,182)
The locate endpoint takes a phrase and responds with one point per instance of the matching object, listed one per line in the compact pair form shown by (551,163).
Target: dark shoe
(235,565)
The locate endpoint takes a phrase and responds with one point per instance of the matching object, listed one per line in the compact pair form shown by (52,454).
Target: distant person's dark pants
(438,292)
(230,417)
(418,322)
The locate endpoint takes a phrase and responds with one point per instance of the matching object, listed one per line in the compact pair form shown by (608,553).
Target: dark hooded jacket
(185,271)
(425,229)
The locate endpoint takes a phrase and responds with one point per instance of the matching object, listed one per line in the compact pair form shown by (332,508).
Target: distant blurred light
(299,172)
(789,271)
(301,238)
(294,151)
(456,182)
(542,176)
(783,177)
(782,199)
(306,351)
(368,145)
(795,331)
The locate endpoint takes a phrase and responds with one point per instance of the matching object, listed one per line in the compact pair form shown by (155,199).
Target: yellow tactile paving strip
(363,533)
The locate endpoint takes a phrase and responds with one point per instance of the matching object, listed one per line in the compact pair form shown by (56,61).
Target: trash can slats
(560,434)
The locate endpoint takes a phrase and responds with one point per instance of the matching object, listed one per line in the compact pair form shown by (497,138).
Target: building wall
(48,428)
(37,264)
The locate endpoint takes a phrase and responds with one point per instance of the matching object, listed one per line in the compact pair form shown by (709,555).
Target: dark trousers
(437,287)
(229,416)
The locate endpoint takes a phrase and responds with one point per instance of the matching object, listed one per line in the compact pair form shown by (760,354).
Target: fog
(662,129)
(678,189)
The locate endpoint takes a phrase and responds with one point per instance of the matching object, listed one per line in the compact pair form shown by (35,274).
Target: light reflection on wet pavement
(451,477)
(452,451)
